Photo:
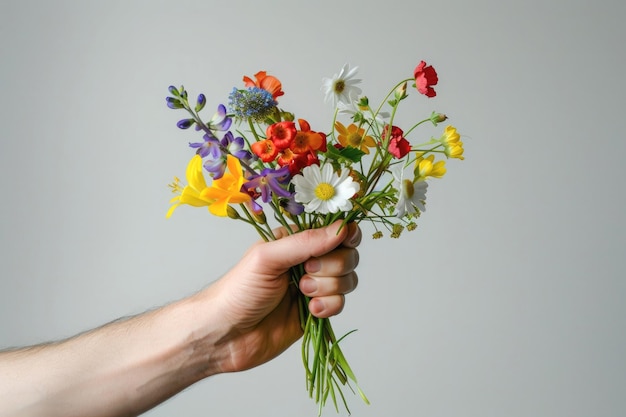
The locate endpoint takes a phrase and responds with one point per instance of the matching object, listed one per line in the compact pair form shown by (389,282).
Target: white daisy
(321,190)
(342,87)
(411,195)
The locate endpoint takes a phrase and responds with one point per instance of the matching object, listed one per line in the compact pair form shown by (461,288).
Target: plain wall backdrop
(509,299)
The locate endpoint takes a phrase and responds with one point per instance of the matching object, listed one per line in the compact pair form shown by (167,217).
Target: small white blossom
(341,87)
(411,194)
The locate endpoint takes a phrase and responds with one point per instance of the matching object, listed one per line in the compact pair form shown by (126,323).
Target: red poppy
(425,78)
(268,83)
(398,145)
(396,132)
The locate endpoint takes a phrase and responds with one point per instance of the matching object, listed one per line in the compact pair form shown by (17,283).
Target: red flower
(398,145)
(266,82)
(425,78)
(282,134)
(297,161)
(265,149)
(396,132)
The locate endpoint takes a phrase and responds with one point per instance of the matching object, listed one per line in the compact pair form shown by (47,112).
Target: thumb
(290,250)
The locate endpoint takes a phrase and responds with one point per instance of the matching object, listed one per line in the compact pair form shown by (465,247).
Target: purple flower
(270,181)
(292,206)
(235,146)
(216,166)
(220,120)
(210,146)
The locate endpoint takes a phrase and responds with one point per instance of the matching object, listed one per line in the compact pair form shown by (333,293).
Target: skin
(244,319)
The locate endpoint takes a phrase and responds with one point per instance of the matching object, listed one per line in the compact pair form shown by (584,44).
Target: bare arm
(244,319)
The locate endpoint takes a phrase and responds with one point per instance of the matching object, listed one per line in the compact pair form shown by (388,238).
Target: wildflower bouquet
(365,168)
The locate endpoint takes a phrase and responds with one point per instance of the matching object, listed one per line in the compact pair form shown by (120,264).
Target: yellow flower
(453,147)
(227,189)
(192,194)
(424,167)
(354,136)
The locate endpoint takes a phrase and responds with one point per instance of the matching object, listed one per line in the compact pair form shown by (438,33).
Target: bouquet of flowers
(276,166)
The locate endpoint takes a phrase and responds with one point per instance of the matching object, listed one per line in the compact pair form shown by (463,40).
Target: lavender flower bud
(185,123)
(200,102)
(173,103)
(173,90)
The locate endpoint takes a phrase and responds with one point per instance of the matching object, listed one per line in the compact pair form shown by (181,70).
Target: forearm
(121,369)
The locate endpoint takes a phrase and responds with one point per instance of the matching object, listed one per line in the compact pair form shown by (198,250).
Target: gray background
(507,301)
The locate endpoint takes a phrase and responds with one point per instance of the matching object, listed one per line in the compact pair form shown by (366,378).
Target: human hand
(260,307)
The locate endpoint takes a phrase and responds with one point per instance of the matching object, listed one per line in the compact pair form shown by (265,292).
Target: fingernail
(308,286)
(316,306)
(313,265)
(355,239)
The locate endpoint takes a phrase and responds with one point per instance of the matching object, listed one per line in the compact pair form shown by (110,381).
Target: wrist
(209,335)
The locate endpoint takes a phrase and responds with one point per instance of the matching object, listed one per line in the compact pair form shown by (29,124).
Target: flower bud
(363,103)
(287,116)
(436,118)
(200,102)
(260,217)
(173,90)
(396,230)
(232,213)
(400,92)
(185,123)
(173,103)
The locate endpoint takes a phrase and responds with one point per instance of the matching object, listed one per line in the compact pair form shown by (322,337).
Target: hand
(258,301)
(246,318)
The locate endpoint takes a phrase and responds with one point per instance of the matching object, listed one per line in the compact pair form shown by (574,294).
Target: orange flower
(227,189)
(354,136)
(265,149)
(307,140)
(268,83)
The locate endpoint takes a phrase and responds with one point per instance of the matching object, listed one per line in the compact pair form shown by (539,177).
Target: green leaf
(348,154)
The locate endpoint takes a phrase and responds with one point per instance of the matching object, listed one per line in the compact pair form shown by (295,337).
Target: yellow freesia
(453,147)
(192,193)
(426,167)
(227,189)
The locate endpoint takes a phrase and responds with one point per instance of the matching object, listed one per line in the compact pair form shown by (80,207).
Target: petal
(219,208)
(195,177)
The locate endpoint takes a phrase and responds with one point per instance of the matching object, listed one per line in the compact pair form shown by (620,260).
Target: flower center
(409,189)
(354,140)
(324,191)
(340,85)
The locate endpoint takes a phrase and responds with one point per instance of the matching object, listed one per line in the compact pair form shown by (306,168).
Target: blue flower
(254,103)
